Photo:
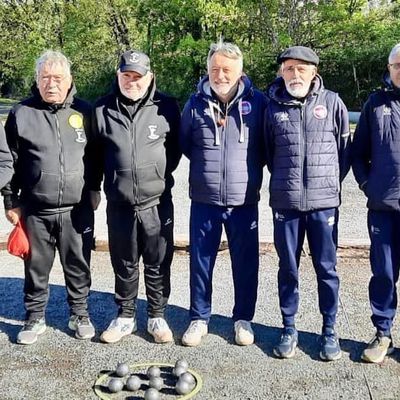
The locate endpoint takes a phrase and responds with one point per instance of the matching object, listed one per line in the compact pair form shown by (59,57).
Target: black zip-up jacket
(48,142)
(6,161)
(136,146)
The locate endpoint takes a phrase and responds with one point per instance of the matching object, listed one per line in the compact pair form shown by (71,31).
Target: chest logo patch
(387,111)
(246,108)
(76,121)
(153,135)
(320,112)
(282,116)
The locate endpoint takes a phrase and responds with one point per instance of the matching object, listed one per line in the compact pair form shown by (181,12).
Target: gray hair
(394,52)
(53,57)
(229,50)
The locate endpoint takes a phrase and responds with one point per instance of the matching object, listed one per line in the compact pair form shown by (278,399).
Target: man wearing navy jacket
(307,144)
(221,135)
(376,167)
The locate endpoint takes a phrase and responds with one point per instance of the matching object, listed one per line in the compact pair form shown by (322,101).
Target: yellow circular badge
(76,121)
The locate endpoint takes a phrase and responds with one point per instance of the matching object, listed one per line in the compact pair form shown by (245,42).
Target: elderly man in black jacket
(307,137)
(137,144)
(48,136)
(376,167)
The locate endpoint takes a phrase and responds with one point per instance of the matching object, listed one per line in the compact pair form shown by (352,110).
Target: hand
(95,198)
(14,215)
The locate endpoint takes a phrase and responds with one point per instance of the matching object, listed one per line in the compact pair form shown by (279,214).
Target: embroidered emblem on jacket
(320,112)
(282,116)
(153,135)
(246,108)
(76,122)
(387,111)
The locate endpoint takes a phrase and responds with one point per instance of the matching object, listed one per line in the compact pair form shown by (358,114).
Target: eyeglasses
(57,79)
(395,66)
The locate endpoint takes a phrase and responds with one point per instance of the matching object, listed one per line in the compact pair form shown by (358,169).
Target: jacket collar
(277,91)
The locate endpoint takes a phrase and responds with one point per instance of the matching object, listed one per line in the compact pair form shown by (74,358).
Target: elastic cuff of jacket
(10,202)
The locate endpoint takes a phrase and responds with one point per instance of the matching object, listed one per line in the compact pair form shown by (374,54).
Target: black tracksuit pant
(133,234)
(166,215)
(71,233)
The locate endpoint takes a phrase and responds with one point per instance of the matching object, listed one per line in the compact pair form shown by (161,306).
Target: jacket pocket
(151,182)
(73,187)
(119,186)
(46,189)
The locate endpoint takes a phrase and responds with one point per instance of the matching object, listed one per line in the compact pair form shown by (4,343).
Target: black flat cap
(299,53)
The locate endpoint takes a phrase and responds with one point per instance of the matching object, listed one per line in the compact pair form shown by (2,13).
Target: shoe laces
(195,326)
(377,340)
(31,323)
(158,324)
(243,325)
(329,339)
(82,320)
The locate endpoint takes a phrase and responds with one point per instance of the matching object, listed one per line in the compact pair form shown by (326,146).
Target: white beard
(298,92)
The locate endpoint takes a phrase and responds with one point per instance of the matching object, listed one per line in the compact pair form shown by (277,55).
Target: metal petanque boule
(164,386)
(133,383)
(122,370)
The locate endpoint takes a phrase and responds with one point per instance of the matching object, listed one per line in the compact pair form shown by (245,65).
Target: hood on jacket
(123,101)
(387,84)
(277,90)
(204,89)
(68,100)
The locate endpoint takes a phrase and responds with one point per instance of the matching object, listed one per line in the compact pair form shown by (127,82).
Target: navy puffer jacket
(307,146)
(224,146)
(376,149)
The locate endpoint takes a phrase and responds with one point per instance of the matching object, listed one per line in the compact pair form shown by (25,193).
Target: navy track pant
(241,227)
(290,228)
(384,232)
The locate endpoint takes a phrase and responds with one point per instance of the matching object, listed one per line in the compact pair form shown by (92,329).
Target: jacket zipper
(224,145)
(303,159)
(134,164)
(61,182)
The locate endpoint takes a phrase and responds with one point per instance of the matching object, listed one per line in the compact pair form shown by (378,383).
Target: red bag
(18,244)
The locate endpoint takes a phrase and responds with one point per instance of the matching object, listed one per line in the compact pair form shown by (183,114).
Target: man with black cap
(307,143)
(136,134)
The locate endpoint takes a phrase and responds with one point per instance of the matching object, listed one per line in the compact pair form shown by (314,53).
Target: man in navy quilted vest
(376,166)
(307,144)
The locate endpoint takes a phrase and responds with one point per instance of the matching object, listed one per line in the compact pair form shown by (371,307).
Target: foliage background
(352,38)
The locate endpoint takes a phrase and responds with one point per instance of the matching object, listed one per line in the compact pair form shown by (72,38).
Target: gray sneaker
(31,330)
(378,348)
(329,346)
(82,326)
(286,347)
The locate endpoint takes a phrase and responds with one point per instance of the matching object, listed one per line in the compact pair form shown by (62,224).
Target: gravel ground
(61,367)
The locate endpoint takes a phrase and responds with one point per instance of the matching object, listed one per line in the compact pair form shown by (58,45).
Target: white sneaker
(159,329)
(118,328)
(244,334)
(195,332)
